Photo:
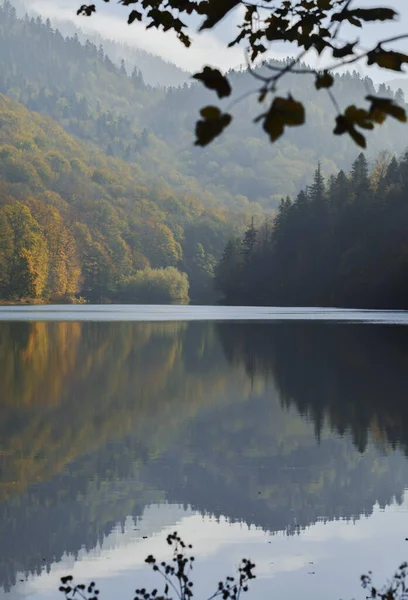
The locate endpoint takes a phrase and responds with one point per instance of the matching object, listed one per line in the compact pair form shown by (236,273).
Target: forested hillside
(75,222)
(97,218)
(245,162)
(95,99)
(155,71)
(342,242)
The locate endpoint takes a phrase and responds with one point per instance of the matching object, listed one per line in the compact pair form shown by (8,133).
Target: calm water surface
(275,434)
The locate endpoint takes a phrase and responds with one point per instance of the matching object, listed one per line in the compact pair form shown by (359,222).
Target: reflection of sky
(323,562)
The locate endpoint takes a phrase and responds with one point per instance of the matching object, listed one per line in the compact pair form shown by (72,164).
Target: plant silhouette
(177,580)
(176,576)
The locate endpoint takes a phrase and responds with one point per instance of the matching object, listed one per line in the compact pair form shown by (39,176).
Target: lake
(278,435)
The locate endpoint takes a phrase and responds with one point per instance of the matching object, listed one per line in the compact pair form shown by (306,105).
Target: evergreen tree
(339,190)
(392,174)
(400,97)
(316,191)
(228,270)
(249,242)
(360,181)
(350,250)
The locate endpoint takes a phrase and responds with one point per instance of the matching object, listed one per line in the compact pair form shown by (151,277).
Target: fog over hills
(117,110)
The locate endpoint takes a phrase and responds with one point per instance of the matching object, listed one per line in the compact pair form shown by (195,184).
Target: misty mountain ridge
(93,98)
(155,70)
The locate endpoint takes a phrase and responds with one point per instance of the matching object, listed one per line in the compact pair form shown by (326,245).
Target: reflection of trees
(355,376)
(76,509)
(254,462)
(111,417)
(68,388)
(80,418)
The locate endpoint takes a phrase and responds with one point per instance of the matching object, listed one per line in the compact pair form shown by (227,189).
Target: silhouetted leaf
(380,107)
(387,59)
(346,50)
(214,80)
(86,10)
(365,14)
(216,10)
(134,16)
(213,123)
(283,112)
(324,80)
(344,125)
(359,116)
(324,4)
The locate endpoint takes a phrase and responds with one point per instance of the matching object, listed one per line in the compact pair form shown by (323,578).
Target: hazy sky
(208,47)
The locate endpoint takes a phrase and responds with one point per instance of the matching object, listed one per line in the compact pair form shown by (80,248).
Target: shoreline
(42,302)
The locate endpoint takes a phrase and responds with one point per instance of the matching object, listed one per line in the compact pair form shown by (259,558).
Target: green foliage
(73,221)
(25,255)
(341,244)
(161,286)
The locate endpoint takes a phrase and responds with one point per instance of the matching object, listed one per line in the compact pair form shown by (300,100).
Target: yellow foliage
(128,219)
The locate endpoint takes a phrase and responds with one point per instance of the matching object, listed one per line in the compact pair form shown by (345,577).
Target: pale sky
(323,560)
(208,47)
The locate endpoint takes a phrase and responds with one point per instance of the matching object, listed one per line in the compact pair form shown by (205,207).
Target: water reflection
(353,376)
(233,421)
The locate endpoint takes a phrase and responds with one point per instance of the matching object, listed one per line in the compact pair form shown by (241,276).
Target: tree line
(342,242)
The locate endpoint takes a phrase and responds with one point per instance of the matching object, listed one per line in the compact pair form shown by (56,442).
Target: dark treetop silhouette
(340,243)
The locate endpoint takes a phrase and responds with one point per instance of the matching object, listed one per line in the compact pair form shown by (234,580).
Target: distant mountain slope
(37,60)
(93,98)
(243,160)
(73,220)
(155,70)
(80,87)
